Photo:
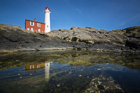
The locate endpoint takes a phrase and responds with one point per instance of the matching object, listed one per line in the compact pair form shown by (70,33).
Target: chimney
(34,19)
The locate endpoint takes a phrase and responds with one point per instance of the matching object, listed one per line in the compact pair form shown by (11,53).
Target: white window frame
(38,30)
(31,66)
(32,29)
(31,23)
(28,28)
(38,66)
(39,24)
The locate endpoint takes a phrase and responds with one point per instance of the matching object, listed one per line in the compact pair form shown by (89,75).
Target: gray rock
(92,38)
(73,28)
(17,38)
(13,37)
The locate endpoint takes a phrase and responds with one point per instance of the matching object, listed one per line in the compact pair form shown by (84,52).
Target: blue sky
(100,14)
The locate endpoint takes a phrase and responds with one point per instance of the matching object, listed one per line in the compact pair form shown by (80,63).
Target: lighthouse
(47,20)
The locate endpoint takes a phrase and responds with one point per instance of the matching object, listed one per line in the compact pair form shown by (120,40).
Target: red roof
(47,8)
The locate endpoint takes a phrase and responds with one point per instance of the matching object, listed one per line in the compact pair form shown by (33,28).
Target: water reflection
(36,66)
(47,71)
(71,72)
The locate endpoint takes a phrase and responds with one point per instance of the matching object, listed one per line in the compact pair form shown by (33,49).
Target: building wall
(35,27)
(35,66)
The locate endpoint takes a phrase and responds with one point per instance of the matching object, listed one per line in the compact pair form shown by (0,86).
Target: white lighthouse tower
(47,20)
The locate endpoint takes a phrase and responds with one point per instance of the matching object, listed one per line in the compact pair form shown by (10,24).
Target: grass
(8,51)
(136,31)
(56,55)
(80,63)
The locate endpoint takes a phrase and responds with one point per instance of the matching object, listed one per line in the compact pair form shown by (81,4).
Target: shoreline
(65,49)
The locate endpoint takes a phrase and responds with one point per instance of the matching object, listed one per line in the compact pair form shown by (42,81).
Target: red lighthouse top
(47,8)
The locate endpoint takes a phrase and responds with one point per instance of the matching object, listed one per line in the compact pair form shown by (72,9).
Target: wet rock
(103,84)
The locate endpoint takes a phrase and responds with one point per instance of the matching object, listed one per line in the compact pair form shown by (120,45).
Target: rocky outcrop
(15,38)
(92,38)
(133,35)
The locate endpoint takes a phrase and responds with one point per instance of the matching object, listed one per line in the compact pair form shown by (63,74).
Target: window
(38,66)
(28,29)
(32,29)
(38,24)
(38,30)
(31,23)
(32,67)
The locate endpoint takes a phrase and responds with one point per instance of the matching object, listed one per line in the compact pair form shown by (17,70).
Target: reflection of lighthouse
(47,70)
